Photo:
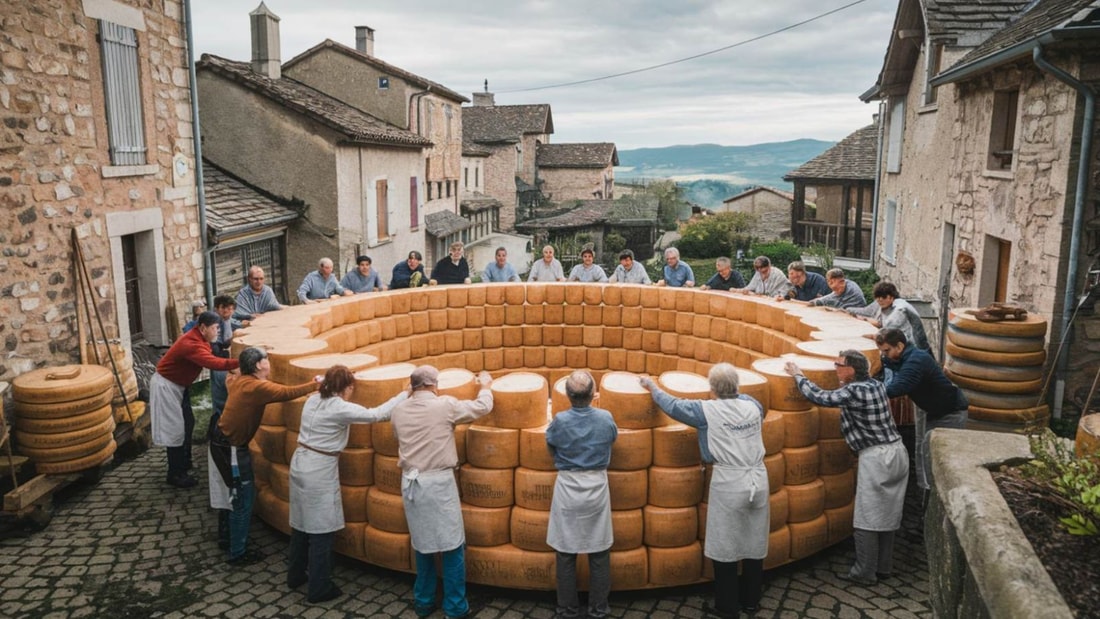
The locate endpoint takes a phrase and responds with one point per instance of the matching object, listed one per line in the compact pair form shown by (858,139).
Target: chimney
(265,42)
(364,40)
(484,98)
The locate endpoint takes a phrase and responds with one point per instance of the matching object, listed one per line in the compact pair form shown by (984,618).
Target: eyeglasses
(841,365)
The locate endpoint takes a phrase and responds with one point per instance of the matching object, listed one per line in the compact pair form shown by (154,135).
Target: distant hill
(710,173)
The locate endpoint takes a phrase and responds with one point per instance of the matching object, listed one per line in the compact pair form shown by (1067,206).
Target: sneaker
(859,580)
(248,557)
(332,593)
(183,481)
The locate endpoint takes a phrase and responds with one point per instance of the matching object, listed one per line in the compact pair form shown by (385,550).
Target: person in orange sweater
(169,408)
(233,493)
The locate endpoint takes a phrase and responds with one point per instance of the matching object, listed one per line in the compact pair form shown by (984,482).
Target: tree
(718,235)
(669,198)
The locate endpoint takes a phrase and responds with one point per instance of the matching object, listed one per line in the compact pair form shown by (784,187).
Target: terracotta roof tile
(577,155)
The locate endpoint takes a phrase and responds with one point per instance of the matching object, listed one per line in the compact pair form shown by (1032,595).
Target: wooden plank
(35,489)
(16,463)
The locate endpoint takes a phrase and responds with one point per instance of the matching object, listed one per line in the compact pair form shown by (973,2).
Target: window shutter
(122,93)
(414,211)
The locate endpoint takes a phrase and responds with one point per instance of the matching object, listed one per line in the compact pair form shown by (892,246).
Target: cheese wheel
(508,566)
(670,527)
(965,319)
(359,436)
(839,522)
(802,465)
(777,471)
(778,509)
(460,441)
(675,486)
(834,456)
(387,475)
(627,526)
(351,540)
(486,487)
(292,413)
(800,428)
(261,466)
(494,294)
(779,548)
(840,489)
(356,467)
(830,349)
(783,393)
(676,445)
(385,511)
(340,340)
(276,511)
(774,432)
(272,442)
(629,403)
(828,422)
(290,445)
(685,385)
(375,386)
(805,501)
(519,401)
(387,549)
(559,401)
(476,295)
(278,477)
(354,499)
(61,384)
(808,538)
(534,489)
(628,488)
(492,448)
(670,567)
(528,529)
(533,452)
(486,526)
(281,352)
(383,438)
(632,450)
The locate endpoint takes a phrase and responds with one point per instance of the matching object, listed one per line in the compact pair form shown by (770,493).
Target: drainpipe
(878,180)
(200,187)
(1081,189)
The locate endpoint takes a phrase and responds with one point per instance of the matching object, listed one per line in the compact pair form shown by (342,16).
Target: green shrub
(781,253)
(1076,480)
(866,279)
(719,235)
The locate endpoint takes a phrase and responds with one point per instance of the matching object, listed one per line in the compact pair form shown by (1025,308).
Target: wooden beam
(30,492)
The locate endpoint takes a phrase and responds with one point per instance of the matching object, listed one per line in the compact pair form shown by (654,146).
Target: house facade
(981,164)
(96,139)
(770,206)
(577,171)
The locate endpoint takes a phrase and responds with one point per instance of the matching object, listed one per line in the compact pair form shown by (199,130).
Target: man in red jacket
(169,411)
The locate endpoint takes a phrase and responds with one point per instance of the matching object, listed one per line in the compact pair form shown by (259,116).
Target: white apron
(166,411)
(433,510)
(580,513)
(219,492)
(315,503)
(881,479)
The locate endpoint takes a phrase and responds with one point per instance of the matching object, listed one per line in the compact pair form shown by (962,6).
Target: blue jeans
(241,516)
(310,557)
(454,582)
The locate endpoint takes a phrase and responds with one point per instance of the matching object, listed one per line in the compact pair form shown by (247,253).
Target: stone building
(981,157)
(632,217)
(842,181)
(356,176)
(771,206)
(96,138)
(484,234)
(577,171)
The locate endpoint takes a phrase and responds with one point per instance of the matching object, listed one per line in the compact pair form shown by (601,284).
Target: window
(122,93)
(448,112)
(448,183)
(477,178)
(429,187)
(995,268)
(933,64)
(897,130)
(519,158)
(383,83)
(466,178)
(1002,131)
(889,243)
(382,204)
(414,207)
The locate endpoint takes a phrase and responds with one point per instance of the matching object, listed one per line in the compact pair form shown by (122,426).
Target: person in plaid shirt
(883,472)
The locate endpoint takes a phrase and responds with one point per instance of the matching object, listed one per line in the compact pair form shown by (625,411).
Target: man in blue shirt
(587,271)
(845,293)
(677,274)
(725,277)
(807,284)
(408,274)
(500,270)
(580,441)
(321,284)
(629,271)
(256,298)
(362,278)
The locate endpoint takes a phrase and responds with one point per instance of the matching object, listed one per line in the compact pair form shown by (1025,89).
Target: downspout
(196,137)
(1081,189)
(878,180)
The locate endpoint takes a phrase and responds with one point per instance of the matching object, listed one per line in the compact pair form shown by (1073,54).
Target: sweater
(918,376)
(244,409)
(185,360)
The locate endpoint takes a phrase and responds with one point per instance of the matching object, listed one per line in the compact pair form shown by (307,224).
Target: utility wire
(672,62)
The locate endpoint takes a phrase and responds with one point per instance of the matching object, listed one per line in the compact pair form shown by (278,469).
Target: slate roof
(1067,17)
(969,22)
(233,207)
(478,202)
(786,195)
(577,155)
(473,149)
(354,124)
(853,158)
(639,210)
(442,223)
(381,65)
(495,124)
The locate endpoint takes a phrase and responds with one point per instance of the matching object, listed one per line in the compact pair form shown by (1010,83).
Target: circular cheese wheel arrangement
(528,338)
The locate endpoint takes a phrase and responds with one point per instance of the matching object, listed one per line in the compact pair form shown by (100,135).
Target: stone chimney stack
(364,40)
(265,42)
(484,98)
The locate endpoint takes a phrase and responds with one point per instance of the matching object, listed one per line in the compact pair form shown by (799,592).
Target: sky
(803,82)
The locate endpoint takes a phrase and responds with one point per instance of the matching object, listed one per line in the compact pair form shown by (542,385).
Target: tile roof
(577,155)
(782,194)
(381,65)
(493,124)
(473,149)
(853,158)
(478,202)
(355,124)
(969,22)
(1041,19)
(442,223)
(630,210)
(233,207)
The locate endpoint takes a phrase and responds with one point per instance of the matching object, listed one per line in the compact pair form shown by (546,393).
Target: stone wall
(499,180)
(562,184)
(56,176)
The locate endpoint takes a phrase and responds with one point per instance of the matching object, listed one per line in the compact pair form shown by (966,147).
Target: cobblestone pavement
(130,546)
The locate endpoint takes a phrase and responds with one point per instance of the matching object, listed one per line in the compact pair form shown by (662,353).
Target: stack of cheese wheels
(63,417)
(530,336)
(999,365)
(124,403)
